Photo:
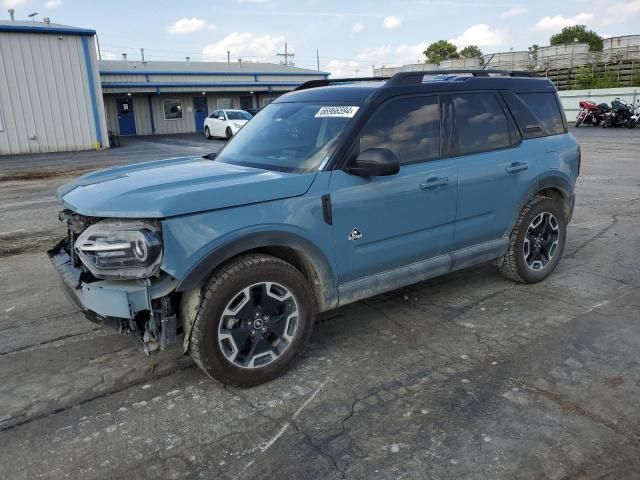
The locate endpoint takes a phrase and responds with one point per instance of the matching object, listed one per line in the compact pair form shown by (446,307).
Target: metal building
(50,94)
(155,97)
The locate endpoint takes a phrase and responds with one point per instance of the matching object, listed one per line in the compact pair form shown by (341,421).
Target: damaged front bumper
(140,308)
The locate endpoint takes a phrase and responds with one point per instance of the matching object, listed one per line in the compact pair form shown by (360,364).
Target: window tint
(409,127)
(172,109)
(481,124)
(545,107)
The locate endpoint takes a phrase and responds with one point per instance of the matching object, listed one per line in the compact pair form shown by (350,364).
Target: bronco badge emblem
(355,234)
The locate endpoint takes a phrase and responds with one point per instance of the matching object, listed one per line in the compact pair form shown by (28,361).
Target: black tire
(224,286)
(207,133)
(228,133)
(513,264)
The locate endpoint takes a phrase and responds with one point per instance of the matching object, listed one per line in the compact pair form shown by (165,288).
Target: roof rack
(325,82)
(413,78)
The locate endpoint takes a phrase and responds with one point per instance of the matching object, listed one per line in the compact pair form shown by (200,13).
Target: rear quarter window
(540,109)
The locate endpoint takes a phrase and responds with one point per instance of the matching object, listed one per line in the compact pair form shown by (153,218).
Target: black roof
(361,89)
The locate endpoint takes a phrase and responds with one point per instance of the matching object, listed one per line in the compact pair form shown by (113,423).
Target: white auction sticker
(347,112)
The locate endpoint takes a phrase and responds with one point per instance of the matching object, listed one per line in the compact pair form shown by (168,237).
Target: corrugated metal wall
(45,99)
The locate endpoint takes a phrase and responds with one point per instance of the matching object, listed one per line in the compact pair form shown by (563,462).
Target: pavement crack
(339,472)
(600,233)
(46,342)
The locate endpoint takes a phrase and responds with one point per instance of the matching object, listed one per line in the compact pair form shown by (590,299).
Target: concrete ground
(468,376)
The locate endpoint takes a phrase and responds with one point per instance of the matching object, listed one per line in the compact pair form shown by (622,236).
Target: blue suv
(335,192)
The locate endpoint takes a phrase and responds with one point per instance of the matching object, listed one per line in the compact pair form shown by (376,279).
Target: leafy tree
(580,33)
(587,78)
(472,51)
(441,50)
(533,52)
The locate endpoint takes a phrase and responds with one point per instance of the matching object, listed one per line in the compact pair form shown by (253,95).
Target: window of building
(480,123)
(545,107)
(409,127)
(172,109)
(225,103)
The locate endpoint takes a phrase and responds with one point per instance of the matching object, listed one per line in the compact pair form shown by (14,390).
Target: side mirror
(375,162)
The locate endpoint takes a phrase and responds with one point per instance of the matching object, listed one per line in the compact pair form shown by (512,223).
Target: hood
(176,186)
(239,122)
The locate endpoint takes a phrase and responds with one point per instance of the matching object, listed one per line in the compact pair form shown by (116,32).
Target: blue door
(126,119)
(382,223)
(200,112)
(496,170)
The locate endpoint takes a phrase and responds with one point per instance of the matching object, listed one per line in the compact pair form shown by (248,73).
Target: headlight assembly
(121,249)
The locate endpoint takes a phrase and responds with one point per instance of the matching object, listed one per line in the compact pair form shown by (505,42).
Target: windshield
(238,115)
(289,137)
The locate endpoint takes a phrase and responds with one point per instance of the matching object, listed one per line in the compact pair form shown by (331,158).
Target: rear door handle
(434,182)
(517,167)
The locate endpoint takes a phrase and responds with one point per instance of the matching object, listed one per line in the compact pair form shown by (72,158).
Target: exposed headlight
(121,249)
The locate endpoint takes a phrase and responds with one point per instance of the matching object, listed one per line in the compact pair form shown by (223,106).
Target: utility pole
(318,59)
(285,57)
(142,54)
(228,56)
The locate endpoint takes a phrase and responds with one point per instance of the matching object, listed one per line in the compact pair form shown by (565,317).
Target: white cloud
(344,68)
(622,10)
(53,3)
(12,3)
(393,55)
(481,35)
(357,27)
(392,22)
(515,11)
(187,25)
(110,56)
(557,22)
(254,1)
(244,44)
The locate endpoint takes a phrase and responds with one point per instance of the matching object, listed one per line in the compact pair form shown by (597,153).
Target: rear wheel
(256,315)
(536,242)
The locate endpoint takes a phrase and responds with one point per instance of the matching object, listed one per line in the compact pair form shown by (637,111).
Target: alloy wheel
(541,241)
(258,325)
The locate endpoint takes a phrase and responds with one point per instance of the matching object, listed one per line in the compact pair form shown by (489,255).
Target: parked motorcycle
(620,114)
(633,121)
(591,114)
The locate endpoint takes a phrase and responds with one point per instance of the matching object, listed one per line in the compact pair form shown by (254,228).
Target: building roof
(124,67)
(41,27)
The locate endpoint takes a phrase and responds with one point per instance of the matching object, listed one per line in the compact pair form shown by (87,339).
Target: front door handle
(517,167)
(434,182)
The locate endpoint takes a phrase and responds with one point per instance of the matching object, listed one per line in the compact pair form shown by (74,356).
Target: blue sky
(350,35)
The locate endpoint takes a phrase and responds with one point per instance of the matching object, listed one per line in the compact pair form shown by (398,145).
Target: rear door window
(480,123)
(545,107)
(409,127)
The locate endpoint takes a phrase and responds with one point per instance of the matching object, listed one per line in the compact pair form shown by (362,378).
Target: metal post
(318,59)
(228,56)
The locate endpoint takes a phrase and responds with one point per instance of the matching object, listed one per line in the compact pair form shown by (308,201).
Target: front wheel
(256,316)
(536,242)
(229,133)
(207,133)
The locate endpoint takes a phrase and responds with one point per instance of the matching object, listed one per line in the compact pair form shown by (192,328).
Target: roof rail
(325,82)
(412,78)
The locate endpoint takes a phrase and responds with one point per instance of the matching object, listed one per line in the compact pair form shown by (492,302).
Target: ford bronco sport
(337,191)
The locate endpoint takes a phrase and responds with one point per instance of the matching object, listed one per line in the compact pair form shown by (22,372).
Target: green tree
(533,52)
(441,50)
(471,51)
(588,78)
(569,35)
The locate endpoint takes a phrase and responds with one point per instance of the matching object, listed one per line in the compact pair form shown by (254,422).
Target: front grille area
(76,224)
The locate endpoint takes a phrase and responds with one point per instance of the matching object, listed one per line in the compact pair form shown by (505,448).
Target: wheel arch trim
(312,257)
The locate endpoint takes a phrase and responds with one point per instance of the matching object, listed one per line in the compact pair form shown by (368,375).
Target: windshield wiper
(210,156)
